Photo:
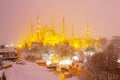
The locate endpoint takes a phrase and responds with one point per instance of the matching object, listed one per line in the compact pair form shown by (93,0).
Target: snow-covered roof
(7,50)
(29,71)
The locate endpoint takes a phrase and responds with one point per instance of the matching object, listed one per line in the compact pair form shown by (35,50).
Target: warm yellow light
(54,59)
(20,46)
(62,76)
(76,45)
(49,36)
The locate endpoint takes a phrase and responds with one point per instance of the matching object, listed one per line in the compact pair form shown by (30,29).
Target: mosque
(49,36)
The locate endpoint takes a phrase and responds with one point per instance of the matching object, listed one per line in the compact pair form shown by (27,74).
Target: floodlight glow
(7,46)
(65,62)
(91,53)
(75,58)
(118,60)
(48,62)
(12,45)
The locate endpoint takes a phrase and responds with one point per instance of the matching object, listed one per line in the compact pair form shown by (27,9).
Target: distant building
(116,41)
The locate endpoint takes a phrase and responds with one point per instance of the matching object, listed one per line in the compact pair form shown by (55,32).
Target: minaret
(38,28)
(53,25)
(88,32)
(38,24)
(72,32)
(32,32)
(53,28)
(63,29)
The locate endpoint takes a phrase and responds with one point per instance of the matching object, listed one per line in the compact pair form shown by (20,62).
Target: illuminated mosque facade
(49,36)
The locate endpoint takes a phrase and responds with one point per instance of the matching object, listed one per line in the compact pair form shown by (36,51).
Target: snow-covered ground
(29,71)
(73,78)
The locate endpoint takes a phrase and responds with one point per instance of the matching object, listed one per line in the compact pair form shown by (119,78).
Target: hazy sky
(103,17)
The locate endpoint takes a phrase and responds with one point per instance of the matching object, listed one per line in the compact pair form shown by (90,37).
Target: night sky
(103,17)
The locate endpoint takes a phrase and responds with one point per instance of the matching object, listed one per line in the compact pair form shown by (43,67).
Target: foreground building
(8,53)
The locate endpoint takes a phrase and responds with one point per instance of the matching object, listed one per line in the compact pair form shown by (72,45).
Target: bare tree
(104,66)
